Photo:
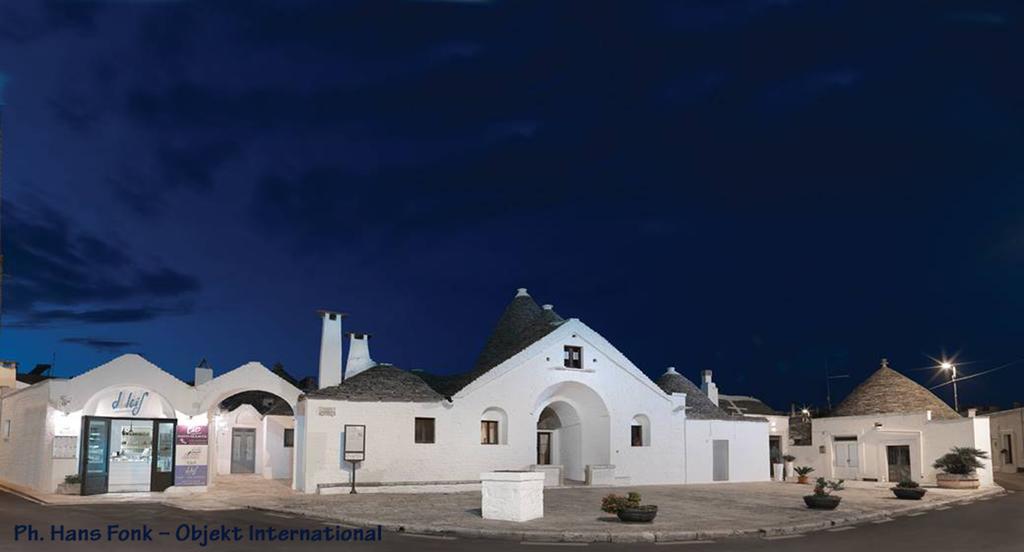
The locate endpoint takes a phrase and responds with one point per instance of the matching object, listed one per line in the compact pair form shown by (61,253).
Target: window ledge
(563,368)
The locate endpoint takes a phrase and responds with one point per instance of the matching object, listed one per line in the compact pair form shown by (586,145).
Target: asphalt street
(991,525)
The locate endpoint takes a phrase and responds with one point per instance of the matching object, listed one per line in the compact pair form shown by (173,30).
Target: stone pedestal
(778,469)
(553,474)
(600,474)
(512,496)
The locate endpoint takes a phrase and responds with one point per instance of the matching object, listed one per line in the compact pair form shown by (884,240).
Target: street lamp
(947,365)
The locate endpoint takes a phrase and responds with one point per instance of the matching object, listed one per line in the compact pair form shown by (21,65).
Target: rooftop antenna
(828,384)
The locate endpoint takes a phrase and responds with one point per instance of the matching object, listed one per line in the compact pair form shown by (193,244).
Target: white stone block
(512,496)
(600,474)
(553,474)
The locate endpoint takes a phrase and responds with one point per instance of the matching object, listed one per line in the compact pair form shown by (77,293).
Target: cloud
(100,344)
(57,272)
(192,166)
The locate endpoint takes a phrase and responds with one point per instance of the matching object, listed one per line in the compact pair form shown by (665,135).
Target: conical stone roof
(698,405)
(890,392)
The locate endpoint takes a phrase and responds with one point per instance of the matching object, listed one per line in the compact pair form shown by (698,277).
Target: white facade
(856,447)
(1006,432)
(596,407)
(41,425)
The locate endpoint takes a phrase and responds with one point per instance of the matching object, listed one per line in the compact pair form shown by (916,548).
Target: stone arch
(579,421)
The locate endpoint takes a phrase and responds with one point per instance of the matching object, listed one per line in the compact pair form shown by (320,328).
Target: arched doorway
(252,433)
(573,429)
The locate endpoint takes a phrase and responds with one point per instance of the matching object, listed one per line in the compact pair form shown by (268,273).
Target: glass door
(95,472)
(543,448)
(162,474)
(898,457)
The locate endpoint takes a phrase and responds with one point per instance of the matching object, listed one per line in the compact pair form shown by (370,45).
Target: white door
(847,459)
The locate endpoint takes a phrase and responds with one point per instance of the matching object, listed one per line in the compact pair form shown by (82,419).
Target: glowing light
(946,365)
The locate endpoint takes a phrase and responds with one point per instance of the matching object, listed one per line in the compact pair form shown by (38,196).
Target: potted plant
(959,467)
(628,508)
(823,499)
(802,473)
(908,489)
(789,459)
(72,485)
(777,466)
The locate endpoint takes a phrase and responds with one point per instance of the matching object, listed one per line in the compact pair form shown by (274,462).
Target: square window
(424,430)
(573,357)
(289,437)
(488,432)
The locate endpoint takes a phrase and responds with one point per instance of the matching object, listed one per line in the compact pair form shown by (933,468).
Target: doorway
(243,450)
(774,453)
(898,460)
(847,457)
(720,460)
(126,454)
(543,448)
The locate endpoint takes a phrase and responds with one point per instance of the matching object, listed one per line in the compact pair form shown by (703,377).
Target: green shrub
(961,461)
(825,487)
(803,470)
(908,484)
(789,458)
(613,503)
(72,479)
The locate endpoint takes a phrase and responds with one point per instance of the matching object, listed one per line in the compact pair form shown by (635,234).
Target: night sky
(762,188)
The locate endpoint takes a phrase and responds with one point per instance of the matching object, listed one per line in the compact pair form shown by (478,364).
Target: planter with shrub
(908,490)
(628,508)
(72,485)
(801,474)
(823,499)
(960,468)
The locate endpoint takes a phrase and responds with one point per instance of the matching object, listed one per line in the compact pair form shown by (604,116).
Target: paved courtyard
(681,508)
(686,512)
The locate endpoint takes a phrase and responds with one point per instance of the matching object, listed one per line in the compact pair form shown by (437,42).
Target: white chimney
(358,354)
(330,349)
(204,373)
(708,387)
(972,412)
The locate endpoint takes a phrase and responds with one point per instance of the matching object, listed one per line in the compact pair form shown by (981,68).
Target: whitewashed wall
(1002,424)
(277,458)
(605,395)
(56,406)
(927,439)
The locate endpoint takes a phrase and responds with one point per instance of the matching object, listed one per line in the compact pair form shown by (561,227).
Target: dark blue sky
(754,187)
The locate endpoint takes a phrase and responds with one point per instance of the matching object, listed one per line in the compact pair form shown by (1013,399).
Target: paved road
(992,525)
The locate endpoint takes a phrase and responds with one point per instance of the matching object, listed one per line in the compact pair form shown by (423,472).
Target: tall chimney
(358,354)
(204,373)
(708,387)
(330,349)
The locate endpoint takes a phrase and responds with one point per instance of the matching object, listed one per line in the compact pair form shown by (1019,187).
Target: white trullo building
(888,429)
(546,394)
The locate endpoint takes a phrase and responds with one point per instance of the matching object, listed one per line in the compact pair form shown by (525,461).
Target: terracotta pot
(802,479)
(957,481)
(643,514)
(904,493)
(822,502)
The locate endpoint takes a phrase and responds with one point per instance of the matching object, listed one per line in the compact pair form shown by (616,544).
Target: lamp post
(946,365)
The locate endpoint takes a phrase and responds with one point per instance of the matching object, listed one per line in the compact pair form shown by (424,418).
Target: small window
(637,435)
(488,432)
(289,437)
(424,430)
(573,356)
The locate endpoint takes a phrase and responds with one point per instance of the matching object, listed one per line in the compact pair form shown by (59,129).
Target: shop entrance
(126,454)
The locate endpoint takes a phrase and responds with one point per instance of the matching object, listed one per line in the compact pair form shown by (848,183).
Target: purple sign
(190,476)
(192,435)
